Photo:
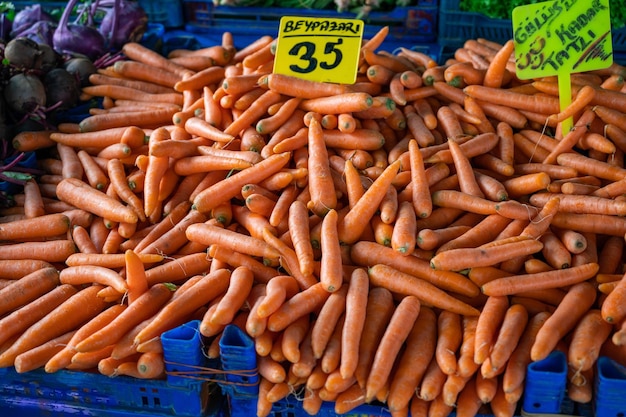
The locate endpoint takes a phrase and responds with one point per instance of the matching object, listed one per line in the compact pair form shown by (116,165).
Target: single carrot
(449,339)
(612,308)
(550,279)
(421,197)
(28,288)
(517,364)
(17,268)
(495,73)
(575,304)
(146,118)
(200,127)
(327,326)
(403,237)
(541,104)
(239,288)
(356,309)
(293,337)
(84,274)
(331,272)
(406,284)
(432,382)
(321,186)
(489,321)
(581,203)
(210,234)
(49,225)
(463,258)
(82,195)
(379,309)
(584,349)
(300,304)
(390,344)
(28,140)
(228,188)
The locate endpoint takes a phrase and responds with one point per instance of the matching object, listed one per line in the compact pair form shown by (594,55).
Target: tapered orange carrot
(541,280)
(449,339)
(397,331)
(82,195)
(327,321)
(583,349)
(575,304)
(403,283)
(516,367)
(84,274)
(462,258)
(229,187)
(421,198)
(321,185)
(613,306)
(302,303)
(297,87)
(331,271)
(241,281)
(28,288)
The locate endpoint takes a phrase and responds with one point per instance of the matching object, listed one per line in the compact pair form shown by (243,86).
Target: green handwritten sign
(319,49)
(561,37)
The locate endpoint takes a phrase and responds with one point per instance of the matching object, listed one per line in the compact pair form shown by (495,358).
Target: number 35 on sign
(319,49)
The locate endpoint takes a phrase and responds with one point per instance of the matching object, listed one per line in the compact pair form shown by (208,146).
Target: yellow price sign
(318,48)
(561,37)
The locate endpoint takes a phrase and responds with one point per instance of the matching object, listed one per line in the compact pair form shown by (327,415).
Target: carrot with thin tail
(398,330)
(331,268)
(354,322)
(321,185)
(579,298)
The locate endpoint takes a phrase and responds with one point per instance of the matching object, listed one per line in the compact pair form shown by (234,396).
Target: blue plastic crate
(610,388)
(456,26)
(183,352)
(545,384)
(169,13)
(408,26)
(37,393)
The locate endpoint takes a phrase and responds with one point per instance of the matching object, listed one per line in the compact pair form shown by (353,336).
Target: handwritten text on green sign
(559,36)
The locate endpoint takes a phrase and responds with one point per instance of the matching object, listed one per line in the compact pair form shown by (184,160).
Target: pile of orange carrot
(416,238)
